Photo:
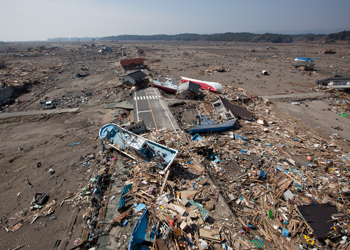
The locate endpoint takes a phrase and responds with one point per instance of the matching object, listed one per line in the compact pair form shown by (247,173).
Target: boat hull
(139,231)
(303,59)
(212,86)
(122,139)
(163,87)
(211,128)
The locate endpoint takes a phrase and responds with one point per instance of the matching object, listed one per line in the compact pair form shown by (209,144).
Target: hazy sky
(26,20)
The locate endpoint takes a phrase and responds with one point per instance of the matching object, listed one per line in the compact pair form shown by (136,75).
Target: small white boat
(168,86)
(212,86)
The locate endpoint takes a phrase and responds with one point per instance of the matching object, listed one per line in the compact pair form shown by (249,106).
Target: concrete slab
(122,105)
(38,112)
(116,237)
(298,96)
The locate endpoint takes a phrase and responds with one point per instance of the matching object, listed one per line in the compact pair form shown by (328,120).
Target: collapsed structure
(241,189)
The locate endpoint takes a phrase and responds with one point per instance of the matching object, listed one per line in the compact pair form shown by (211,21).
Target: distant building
(338,82)
(130,64)
(134,77)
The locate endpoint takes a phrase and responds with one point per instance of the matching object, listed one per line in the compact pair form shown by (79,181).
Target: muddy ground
(68,143)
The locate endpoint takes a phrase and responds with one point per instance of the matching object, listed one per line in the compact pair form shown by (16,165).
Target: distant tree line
(226,37)
(231,36)
(340,36)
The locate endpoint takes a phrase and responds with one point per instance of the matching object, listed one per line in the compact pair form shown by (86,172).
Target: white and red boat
(168,86)
(212,86)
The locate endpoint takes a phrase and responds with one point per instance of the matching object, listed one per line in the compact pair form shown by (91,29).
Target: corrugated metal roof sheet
(238,111)
(137,75)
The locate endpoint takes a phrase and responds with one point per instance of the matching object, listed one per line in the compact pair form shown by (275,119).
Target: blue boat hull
(117,135)
(138,234)
(212,128)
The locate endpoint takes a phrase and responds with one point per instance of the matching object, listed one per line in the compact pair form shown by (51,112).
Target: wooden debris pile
(242,189)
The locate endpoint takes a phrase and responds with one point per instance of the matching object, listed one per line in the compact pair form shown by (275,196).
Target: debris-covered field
(277,180)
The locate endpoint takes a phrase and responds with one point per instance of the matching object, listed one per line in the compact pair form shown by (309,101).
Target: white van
(49,105)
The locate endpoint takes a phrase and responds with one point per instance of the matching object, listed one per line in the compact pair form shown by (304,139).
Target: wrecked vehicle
(49,105)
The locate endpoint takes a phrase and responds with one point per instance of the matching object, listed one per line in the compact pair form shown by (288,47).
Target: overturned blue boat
(206,125)
(138,234)
(135,146)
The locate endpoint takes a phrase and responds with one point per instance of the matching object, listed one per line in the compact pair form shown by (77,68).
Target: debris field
(272,182)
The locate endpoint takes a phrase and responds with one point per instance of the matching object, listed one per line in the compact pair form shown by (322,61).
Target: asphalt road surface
(150,107)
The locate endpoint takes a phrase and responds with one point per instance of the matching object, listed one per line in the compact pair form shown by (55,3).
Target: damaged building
(135,77)
(189,90)
(131,64)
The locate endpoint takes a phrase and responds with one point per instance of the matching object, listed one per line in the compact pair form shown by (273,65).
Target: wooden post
(164,182)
